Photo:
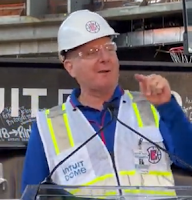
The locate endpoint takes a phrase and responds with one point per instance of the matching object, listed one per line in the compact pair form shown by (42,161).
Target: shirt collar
(118,92)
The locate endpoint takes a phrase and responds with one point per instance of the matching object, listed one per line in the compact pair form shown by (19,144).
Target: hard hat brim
(112,35)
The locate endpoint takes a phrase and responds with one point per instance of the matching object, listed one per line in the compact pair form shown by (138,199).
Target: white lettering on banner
(74,170)
(188,107)
(61,92)
(188,100)
(34,93)
(18,134)
(15,102)
(2,99)
(23,118)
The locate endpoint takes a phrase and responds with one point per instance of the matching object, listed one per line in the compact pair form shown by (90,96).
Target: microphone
(48,179)
(112,108)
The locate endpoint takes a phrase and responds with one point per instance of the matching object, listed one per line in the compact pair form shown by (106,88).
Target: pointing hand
(155,88)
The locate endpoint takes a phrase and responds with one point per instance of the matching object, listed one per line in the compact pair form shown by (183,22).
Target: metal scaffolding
(23,35)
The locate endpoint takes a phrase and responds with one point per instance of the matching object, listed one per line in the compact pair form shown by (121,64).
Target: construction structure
(28,28)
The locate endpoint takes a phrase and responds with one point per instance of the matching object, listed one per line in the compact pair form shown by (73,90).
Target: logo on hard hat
(92,27)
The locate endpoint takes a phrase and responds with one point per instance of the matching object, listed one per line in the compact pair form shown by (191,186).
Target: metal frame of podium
(59,192)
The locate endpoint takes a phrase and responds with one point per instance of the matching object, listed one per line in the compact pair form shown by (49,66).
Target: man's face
(94,65)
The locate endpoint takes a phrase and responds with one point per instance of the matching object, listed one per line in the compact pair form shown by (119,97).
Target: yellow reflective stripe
(136,110)
(130,173)
(109,193)
(49,123)
(66,121)
(130,95)
(138,116)
(101,178)
(151,192)
(104,196)
(156,173)
(156,118)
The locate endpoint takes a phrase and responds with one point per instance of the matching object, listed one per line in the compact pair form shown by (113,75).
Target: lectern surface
(55,192)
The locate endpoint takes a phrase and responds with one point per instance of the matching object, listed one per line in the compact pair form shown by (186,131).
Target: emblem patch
(92,27)
(154,155)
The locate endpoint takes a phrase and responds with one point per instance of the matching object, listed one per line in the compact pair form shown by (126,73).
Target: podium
(59,192)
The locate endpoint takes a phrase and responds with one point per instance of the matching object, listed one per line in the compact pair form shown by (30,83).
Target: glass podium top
(58,192)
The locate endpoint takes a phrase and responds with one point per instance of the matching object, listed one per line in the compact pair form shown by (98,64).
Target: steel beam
(29,35)
(153,37)
(138,12)
(129,12)
(138,64)
(29,32)
(28,47)
(45,42)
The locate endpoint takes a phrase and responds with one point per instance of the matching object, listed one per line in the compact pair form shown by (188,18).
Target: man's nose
(104,55)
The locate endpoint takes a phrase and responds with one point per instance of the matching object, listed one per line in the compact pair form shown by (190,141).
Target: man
(117,156)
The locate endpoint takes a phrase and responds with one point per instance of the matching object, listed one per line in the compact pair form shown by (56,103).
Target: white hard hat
(81,27)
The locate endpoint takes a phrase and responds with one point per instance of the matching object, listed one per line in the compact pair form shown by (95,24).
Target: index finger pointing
(140,77)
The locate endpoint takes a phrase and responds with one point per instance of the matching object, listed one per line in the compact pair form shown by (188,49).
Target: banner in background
(25,91)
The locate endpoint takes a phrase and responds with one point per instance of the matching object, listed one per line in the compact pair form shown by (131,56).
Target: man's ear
(68,65)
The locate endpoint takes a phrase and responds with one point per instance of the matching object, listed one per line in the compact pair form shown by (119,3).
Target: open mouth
(104,71)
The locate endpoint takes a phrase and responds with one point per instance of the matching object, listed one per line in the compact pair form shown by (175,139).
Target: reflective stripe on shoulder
(59,128)
(141,106)
(66,121)
(54,140)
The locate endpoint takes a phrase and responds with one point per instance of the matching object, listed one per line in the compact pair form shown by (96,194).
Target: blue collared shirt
(174,127)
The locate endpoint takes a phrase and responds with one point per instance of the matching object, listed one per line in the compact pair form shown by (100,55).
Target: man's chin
(106,87)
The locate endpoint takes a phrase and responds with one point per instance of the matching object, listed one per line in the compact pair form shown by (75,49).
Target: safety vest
(63,129)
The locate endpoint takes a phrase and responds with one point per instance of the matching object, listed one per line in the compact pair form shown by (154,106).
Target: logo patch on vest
(154,155)
(77,170)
